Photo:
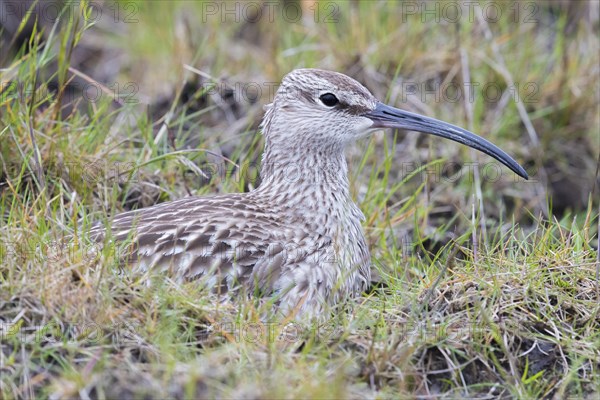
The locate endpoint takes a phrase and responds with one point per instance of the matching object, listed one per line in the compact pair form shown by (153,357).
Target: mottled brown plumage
(297,238)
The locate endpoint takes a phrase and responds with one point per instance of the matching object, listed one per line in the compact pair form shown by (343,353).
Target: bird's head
(315,108)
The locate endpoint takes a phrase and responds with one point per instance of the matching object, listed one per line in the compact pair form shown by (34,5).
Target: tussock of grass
(499,301)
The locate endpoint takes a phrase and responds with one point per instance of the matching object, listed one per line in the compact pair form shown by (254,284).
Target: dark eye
(329,99)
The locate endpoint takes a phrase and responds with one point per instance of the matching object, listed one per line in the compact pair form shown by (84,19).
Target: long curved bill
(384,116)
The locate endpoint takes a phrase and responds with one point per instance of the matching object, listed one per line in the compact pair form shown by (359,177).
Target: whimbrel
(297,238)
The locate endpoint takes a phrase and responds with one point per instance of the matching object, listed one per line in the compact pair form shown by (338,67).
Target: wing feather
(227,240)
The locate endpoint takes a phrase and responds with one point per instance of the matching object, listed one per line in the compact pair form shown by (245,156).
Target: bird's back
(233,242)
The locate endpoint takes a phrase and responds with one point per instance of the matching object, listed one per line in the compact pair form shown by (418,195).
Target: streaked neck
(307,176)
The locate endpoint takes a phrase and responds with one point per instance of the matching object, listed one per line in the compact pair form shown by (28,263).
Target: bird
(297,238)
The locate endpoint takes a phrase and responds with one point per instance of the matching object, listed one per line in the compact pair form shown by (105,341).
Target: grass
(486,286)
